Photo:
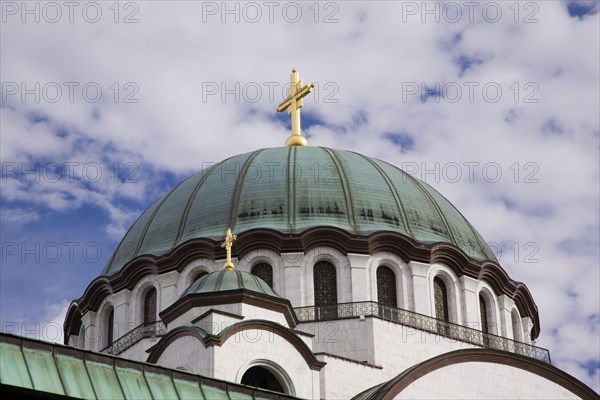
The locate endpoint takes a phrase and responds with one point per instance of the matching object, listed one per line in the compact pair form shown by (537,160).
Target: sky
(108,105)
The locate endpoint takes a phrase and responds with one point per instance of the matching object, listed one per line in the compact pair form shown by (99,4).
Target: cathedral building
(305,272)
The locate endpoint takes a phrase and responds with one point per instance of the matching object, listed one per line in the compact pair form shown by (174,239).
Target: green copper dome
(291,189)
(224,280)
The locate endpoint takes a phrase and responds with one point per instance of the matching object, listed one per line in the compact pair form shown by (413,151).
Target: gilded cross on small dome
(293,104)
(228,244)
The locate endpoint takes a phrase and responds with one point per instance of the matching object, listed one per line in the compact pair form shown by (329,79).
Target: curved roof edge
(390,389)
(208,340)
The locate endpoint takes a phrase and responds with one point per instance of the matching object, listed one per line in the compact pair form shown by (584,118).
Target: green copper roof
(291,189)
(224,280)
(32,368)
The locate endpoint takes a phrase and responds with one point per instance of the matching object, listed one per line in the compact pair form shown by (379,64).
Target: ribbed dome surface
(224,280)
(291,189)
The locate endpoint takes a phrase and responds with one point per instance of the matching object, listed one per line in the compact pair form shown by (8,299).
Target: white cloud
(548,191)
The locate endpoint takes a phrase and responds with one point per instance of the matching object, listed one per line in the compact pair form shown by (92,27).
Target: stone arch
(189,273)
(492,310)
(450,281)
(404,284)
(254,257)
(342,268)
(395,386)
(107,326)
(516,325)
(279,372)
(138,294)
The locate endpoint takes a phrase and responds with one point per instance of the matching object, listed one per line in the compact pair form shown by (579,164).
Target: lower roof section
(36,369)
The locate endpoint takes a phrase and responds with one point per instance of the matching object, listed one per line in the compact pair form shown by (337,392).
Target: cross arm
(303,92)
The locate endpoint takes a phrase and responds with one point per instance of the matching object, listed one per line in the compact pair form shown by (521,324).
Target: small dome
(293,189)
(221,281)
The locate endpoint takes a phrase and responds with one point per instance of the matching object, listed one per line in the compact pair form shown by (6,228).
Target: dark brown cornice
(72,322)
(404,247)
(364,363)
(390,389)
(282,331)
(218,340)
(214,311)
(245,296)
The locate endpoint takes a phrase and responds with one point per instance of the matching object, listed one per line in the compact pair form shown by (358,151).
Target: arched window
(264,271)
(262,378)
(516,326)
(198,276)
(110,322)
(441,306)
(150,306)
(483,315)
(484,320)
(325,285)
(441,300)
(386,287)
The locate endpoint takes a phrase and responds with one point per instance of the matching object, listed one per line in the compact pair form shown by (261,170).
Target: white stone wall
(350,338)
(138,350)
(385,344)
(189,353)
(397,347)
(477,380)
(342,379)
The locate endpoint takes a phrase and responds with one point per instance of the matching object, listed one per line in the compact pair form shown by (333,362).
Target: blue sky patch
(582,8)
(465,62)
(401,139)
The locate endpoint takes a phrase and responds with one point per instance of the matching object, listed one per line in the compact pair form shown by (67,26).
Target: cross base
(229,266)
(296,140)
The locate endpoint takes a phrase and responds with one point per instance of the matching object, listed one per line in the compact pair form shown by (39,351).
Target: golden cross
(293,104)
(228,244)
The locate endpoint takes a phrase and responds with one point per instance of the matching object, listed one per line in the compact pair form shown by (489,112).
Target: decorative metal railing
(145,330)
(421,322)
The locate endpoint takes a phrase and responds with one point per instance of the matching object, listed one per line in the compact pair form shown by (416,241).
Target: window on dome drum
(441,305)
(264,271)
(200,275)
(516,326)
(150,306)
(110,322)
(483,317)
(325,285)
(386,286)
(262,378)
